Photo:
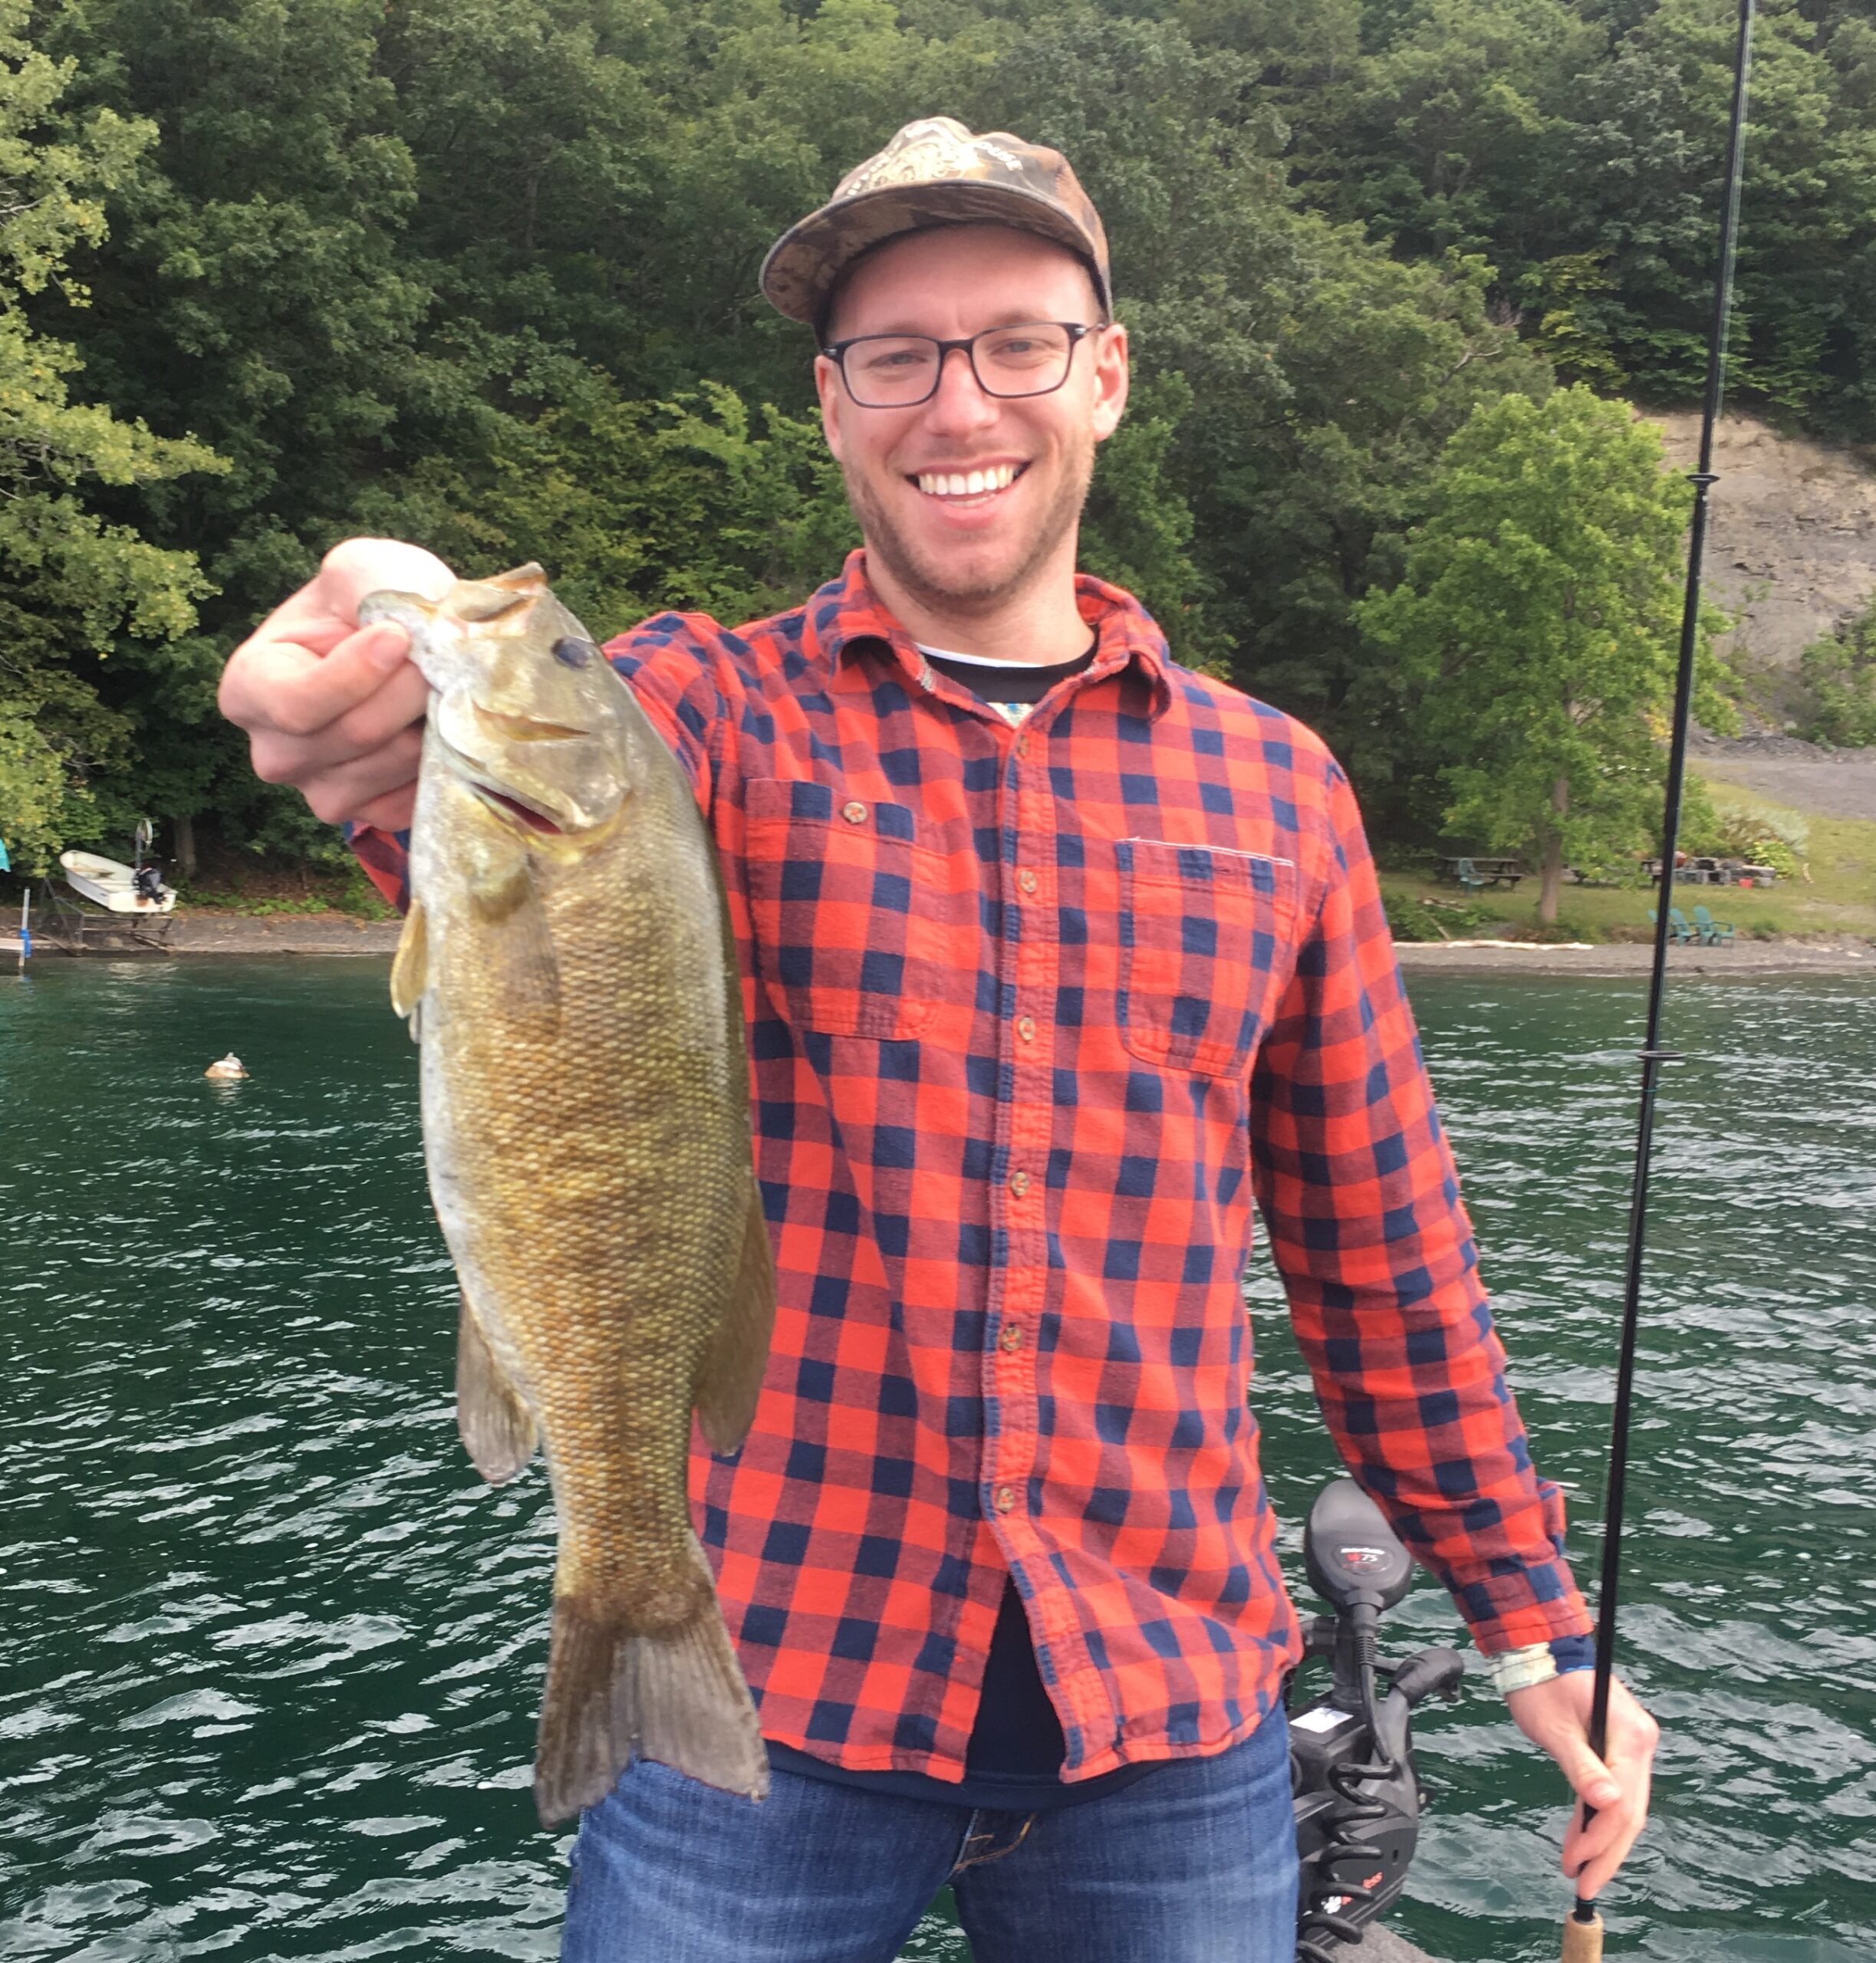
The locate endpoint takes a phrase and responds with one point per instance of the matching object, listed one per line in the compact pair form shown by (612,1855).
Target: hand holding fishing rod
(1608,1716)
(1612,1786)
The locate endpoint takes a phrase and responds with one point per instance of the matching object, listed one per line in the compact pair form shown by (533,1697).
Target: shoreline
(344,935)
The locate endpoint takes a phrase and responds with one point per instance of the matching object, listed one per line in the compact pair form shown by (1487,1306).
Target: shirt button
(1019,1182)
(1011,1338)
(1022,744)
(1026,880)
(1006,1499)
(855,813)
(1025,1028)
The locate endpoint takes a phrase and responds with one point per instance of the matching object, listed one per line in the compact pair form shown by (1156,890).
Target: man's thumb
(1590,1779)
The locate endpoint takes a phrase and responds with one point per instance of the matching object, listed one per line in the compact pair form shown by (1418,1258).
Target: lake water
(270,1654)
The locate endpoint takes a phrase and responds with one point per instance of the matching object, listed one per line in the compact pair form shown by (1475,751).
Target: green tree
(1838,672)
(76,590)
(1538,619)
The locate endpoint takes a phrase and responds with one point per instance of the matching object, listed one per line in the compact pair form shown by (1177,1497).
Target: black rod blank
(1652,1055)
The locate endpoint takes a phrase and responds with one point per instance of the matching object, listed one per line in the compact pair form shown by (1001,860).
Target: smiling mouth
(967,486)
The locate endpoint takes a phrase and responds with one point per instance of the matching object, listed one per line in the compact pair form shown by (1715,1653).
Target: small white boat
(113,885)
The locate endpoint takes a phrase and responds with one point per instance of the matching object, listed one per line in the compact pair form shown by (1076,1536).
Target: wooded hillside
(483,275)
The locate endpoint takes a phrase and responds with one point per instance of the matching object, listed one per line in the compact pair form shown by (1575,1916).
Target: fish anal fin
(410,966)
(498,1429)
(731,1379)
(615,1693)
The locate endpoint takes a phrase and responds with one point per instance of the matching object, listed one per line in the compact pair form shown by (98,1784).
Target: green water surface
(270,1654)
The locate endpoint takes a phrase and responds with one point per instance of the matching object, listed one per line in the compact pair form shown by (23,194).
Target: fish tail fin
(615,1694)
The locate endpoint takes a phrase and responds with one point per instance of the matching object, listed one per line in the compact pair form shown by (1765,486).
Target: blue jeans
(1195,1863)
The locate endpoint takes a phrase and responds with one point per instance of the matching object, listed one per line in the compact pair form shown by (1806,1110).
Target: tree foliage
(484,275)
(74,588)
(1537,622)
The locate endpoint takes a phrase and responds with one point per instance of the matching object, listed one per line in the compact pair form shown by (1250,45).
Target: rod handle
(1582,1939)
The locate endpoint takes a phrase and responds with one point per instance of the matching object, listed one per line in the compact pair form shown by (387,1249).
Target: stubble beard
(929,585)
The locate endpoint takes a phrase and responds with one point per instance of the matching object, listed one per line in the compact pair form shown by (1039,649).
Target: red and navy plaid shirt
(1034,1014)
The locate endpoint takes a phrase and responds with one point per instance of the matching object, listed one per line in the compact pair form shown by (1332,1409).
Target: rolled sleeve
(1359,1191)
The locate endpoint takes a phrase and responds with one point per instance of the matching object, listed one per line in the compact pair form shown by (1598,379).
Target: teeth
(973,484)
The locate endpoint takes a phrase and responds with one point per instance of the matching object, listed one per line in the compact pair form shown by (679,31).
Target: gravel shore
(1834,953)
(1839,954)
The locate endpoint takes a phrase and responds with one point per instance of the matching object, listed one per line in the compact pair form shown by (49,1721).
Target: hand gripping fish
(568,967)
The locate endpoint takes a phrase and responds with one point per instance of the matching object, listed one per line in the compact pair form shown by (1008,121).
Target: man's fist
(333,709)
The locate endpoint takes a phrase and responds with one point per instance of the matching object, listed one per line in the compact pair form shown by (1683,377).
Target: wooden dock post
(21,943)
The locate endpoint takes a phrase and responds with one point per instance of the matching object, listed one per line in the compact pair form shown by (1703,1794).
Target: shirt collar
(846,617)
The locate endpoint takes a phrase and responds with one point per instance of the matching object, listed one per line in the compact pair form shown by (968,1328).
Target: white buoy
(230,1065)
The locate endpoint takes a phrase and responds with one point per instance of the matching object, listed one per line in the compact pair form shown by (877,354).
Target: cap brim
(805,264)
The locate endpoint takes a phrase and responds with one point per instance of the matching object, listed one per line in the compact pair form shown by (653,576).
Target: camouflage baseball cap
(934,173)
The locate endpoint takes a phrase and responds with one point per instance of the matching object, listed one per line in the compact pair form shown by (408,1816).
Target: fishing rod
(1582,1932)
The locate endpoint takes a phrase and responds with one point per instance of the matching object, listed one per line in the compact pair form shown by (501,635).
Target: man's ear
(1111,381)
(828,387)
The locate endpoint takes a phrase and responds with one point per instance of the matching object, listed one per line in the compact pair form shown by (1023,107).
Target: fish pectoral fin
(410,967)
(731,1379)
(498,1429)
(615,1693)
(519,944)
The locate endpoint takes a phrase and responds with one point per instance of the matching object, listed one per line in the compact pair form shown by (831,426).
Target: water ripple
(274,1696)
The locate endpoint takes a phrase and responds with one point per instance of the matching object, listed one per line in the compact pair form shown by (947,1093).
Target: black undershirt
(1013,1761)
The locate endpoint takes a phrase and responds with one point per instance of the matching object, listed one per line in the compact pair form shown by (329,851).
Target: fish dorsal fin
(731,1379)
(498,1429)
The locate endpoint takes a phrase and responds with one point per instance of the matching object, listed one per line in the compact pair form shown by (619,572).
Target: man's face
(971,554)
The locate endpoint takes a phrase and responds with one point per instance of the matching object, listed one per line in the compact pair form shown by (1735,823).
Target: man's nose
(959,403)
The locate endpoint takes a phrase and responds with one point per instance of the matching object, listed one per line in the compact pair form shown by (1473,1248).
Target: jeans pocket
(1206,934)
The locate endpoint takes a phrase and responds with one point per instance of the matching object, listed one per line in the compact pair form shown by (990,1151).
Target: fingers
(286,689)
(1592,1854)
(331,708)
(351,789)
(1556,1716)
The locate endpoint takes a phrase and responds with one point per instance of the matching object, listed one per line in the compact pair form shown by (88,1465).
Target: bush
(1412,919)
(1723,827)
(1839,676)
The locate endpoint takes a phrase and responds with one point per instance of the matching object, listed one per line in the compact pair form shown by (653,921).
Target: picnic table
(1485,871)
(1708,871)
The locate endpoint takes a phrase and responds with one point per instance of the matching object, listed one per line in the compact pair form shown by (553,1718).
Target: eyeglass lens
(886,370)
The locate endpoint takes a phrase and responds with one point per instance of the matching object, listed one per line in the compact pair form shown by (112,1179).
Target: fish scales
(570,972)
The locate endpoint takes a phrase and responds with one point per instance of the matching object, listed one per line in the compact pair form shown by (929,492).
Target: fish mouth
(507,805)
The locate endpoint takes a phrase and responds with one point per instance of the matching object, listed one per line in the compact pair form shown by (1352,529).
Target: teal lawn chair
(1714,933)
(1467,874)
(1681,929)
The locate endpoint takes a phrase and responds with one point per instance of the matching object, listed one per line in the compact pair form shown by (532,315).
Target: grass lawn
(1839,899)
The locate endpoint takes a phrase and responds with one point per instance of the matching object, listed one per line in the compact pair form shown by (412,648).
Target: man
(1056,956)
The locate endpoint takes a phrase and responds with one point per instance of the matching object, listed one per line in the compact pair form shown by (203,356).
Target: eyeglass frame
(1077,330)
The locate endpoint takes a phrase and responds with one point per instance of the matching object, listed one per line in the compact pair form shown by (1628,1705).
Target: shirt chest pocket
(1207,937)
(856,923)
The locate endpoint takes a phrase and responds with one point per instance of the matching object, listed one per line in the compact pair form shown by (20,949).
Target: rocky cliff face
(1792,540)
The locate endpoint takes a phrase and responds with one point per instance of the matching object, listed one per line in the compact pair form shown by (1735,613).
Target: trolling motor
(145,874)
(1357,1799)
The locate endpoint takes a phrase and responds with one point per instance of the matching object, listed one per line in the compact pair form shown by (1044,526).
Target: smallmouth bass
(568,967)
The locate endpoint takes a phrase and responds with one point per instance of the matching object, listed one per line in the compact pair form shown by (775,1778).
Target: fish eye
(575,653)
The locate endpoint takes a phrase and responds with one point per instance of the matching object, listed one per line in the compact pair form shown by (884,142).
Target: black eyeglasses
(901,371)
